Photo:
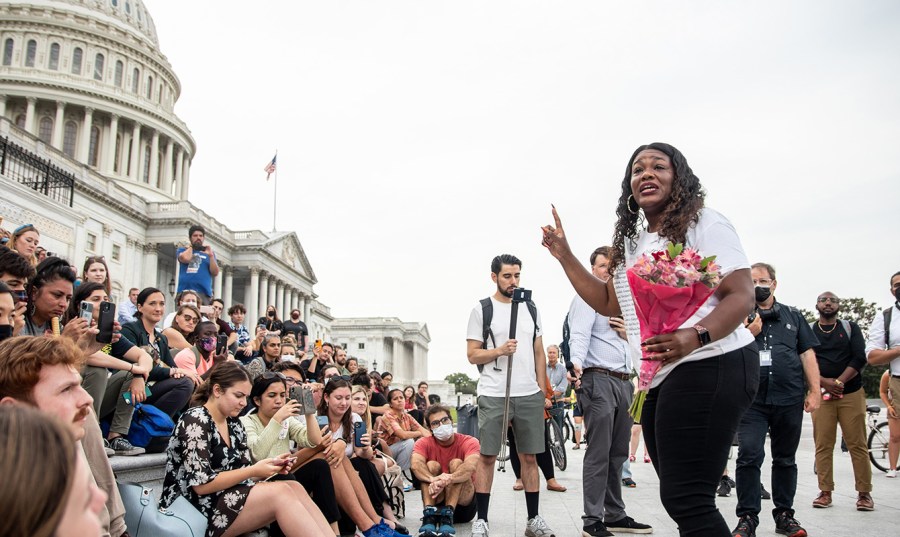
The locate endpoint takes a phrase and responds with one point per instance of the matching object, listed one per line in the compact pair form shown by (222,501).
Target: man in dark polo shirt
(786,358)
(841,355)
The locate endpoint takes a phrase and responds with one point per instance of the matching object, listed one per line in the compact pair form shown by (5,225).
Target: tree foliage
(463,383)
(860,312)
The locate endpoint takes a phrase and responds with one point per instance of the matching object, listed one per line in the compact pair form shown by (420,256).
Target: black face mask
(897,294)
(762,293)
(5,331)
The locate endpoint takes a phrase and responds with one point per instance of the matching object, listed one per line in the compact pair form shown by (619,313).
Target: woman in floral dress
(209,464)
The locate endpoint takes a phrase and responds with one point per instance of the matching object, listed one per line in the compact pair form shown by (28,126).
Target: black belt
(616,374)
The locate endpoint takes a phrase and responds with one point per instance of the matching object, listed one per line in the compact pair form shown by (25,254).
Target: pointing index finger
(556,217)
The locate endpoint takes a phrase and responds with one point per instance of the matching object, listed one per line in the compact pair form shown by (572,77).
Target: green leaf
(674,249)
(706,261)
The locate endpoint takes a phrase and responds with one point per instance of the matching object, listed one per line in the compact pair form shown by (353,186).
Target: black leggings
(315,476)
(544,460)
(689,422)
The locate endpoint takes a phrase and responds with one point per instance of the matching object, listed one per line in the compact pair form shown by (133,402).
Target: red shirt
(463,446)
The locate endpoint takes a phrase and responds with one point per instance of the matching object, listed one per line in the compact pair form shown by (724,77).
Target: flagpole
(275,197)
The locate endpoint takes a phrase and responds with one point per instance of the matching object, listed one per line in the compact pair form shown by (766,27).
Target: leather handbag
(144,518)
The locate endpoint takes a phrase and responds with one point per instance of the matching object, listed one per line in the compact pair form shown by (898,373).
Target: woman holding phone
(209,464)
(400,430)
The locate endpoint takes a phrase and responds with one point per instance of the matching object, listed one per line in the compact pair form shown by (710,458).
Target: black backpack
(487,315)
(887,326)
(564,345)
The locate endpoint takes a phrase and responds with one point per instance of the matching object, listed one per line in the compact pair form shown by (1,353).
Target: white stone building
(92,154)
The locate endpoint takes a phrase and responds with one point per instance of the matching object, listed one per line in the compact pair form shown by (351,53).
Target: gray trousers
(107,393)
(605,401)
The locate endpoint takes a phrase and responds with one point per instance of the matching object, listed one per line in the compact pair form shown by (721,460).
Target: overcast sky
(417,140)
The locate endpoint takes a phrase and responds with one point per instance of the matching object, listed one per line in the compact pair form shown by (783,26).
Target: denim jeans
(783,423)
(689,422)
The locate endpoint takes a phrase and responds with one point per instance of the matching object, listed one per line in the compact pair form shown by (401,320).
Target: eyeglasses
(443,421)
(824,299)
(763,281)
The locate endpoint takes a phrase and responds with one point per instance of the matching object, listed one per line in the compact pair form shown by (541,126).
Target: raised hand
(554,238)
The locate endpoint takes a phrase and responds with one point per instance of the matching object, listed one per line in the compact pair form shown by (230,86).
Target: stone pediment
(286,247)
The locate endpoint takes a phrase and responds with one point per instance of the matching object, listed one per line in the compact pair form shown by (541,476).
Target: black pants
(544,460)
(171,395)
(689,422)
(315,476)
(371,481)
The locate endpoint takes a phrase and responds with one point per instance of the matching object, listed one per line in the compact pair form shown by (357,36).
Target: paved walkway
(563,510)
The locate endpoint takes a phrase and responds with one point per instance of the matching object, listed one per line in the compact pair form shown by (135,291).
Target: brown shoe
(823,500)
(864,502)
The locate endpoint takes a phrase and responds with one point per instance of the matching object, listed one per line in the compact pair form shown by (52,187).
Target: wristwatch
(703,335)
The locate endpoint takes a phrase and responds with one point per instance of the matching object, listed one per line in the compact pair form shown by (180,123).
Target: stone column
(167,168)
(273,283)
(229,283)
(2,105)
(304,307)
(29,115)
(109,155)
(280,297)
(59,125)
(151,260)
(293,299)
(252,298)
(133,167)
(263,295)
(217,285)
(154,160)
(179,165)
(185,177)
(85,145)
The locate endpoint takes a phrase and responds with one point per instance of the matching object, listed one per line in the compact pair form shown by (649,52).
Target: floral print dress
(196,455)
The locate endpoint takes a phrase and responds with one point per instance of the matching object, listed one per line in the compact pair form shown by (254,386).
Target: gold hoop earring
(628,205)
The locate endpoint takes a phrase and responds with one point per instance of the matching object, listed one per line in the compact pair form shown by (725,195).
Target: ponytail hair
(225,375)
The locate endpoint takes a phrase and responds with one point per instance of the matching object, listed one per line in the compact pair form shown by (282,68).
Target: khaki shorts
(526,413)
(894,386)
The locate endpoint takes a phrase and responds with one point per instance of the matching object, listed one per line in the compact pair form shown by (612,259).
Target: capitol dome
(88,79)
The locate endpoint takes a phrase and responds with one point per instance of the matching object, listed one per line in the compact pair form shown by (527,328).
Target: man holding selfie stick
(197,265)
(508,395)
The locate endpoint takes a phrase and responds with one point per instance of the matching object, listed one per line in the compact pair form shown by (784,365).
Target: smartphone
(206,310)
(86,311)
(322,421)
(304,396)
(105,322)
(319,344)
(359,429)
(221,343)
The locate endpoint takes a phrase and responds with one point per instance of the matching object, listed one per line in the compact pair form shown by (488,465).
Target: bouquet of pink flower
(668,286)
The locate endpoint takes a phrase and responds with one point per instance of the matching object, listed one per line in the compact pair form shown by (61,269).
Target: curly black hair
(681,212)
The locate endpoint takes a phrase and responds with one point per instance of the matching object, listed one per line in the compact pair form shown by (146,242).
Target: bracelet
(838,382)
(132,368)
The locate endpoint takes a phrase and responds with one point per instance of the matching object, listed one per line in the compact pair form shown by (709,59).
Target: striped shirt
(593,343)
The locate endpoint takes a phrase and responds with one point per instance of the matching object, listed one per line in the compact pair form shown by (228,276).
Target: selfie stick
(505,423)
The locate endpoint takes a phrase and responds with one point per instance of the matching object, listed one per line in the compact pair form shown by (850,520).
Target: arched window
(45,129)
(8,46)
(127,7)
(98,66)
(77,54)
(149,87)
(30,53)
(53,62)
(159,96)
(70,134)
(115,3)
(116,154)
(135,78)
(94,147)
(120,68)
(146,174)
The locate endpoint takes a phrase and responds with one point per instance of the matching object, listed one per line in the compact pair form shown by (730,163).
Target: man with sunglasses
(15,271)
(445,464)
(841,356)
(788,385)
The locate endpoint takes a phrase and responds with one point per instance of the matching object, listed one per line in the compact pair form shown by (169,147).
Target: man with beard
(197,265)
(322,356)
(494,354)
(340,360)
(297,327)
(841,356)
(786,359)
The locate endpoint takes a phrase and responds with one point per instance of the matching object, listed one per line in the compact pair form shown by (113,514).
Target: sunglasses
(189,318)
(823,299)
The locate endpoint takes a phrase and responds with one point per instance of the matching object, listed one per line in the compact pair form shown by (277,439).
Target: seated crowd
(264,434)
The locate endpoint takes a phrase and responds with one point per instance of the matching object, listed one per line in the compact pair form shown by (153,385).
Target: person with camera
(602,360)
(15,272)
(197,265)
(271,321)
(788,385)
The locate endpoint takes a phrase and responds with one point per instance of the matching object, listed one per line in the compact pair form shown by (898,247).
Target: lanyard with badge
(765,354)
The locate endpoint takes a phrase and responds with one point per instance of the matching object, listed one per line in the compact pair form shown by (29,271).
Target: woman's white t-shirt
(338,434)
(712,235)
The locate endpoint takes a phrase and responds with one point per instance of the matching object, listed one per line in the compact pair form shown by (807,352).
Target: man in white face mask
(445,463)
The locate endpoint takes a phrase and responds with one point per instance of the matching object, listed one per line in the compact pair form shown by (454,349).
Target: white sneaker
(536,527)
(480,528)
(891,473)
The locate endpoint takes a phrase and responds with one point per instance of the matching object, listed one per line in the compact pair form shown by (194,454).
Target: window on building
(116,154)
(30,53)
(116,252)
(45,129)
(20,121)
(127,7)
(361,346)
(120,68)
(91,243)
(159,96)
(70,135)
(8,46)
(135,78)
(98,66)
(53,62)
(115,3)
(149,87)
(146,163)
(94,147)
(77,55)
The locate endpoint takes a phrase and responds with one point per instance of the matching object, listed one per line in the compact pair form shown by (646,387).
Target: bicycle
(879,436)
(555,440)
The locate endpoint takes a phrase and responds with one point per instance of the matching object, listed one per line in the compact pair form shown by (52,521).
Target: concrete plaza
(563,510)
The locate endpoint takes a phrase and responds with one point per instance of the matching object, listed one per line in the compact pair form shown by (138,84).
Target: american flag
(270,167)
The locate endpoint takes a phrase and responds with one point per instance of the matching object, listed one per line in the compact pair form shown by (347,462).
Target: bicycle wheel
(878,446)
(555,442)
(567,429)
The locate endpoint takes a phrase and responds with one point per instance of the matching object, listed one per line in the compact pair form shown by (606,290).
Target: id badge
(765,358)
